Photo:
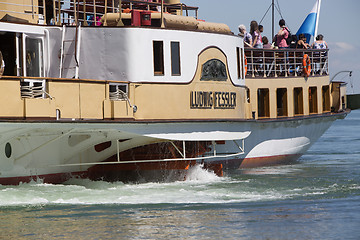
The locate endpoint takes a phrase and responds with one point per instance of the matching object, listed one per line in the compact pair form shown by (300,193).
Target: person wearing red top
(282,35)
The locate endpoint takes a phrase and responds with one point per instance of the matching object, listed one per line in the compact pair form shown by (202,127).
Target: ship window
(118,91)
(313,107)
(298,101)
(263,102)
(19,54)
(8,52)
(248,95)
(158,51)
(33,88)
(33,57)
(242,63)
(175,58)
(238,62)
(281,102)
(326,98)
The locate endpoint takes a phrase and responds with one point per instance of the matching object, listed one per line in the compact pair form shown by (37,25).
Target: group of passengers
(283,39)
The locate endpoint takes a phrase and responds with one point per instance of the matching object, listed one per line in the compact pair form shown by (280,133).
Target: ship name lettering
(212,100)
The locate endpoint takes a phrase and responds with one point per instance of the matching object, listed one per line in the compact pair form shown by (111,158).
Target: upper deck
(149,13)
(283,63)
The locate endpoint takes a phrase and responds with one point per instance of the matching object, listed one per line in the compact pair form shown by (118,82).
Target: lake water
(316,198)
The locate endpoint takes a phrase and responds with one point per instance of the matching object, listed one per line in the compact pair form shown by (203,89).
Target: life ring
(245,67)
(306,65)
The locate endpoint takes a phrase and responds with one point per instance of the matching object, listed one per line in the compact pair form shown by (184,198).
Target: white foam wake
(198,173)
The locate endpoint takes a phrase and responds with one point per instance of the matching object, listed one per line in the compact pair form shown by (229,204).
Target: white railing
(285,62)
(89,12)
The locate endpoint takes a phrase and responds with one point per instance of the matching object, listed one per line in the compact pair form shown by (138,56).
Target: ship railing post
(286,53)
(184,150)
(94,7)
(162,14)
(263,61)
(177,149)
(105,14)
(75,13)
(252,64)
(295,72)
(84,13)
(312,63)
(120,23)
(242,147)
(320,64)
(59,14)
(117,150)
(214,145)
(275,63)
(44,11)
(54,11)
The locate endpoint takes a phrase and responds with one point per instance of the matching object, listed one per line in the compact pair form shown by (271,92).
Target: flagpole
(272,20)
(317,18)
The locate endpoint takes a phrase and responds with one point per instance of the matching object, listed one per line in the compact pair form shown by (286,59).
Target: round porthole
(8,150)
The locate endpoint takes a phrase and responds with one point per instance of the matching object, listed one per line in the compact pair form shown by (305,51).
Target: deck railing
(285,62)
(83,12)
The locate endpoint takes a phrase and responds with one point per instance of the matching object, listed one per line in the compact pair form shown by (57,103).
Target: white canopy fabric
(202,136)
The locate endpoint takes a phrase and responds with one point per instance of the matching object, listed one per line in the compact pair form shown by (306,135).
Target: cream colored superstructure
(288,83)
(89,99)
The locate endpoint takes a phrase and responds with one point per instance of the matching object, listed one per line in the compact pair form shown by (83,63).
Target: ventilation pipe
(171,1)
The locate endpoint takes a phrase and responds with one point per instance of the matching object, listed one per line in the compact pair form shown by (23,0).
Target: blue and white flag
(310,25)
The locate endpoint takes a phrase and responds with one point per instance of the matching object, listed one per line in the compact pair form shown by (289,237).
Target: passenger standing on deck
(282,35)
(266,44)
(320,43)
(261,30)
(302,44)
(247,36)
(255,33)
(320,62)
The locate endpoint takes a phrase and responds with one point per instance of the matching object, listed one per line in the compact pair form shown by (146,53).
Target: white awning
(201,136)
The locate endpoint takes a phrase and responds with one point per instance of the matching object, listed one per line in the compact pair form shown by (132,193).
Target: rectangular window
(33,57)
(175,59)
(313,106)
(238,62)
(263,103)
(326,98)
(298,101)
(242,63)
(158,50)
(118,91)
(281,102)
(248,95)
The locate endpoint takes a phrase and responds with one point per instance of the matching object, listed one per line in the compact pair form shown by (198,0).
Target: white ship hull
(57,151)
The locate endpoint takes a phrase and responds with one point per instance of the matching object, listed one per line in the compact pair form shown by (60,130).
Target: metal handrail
(67,11)
(284,62)
(121,95)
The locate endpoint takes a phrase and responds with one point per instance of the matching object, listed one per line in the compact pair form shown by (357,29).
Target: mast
(272,5)
(317,18)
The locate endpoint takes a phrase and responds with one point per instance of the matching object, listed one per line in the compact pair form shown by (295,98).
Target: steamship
(134,90)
